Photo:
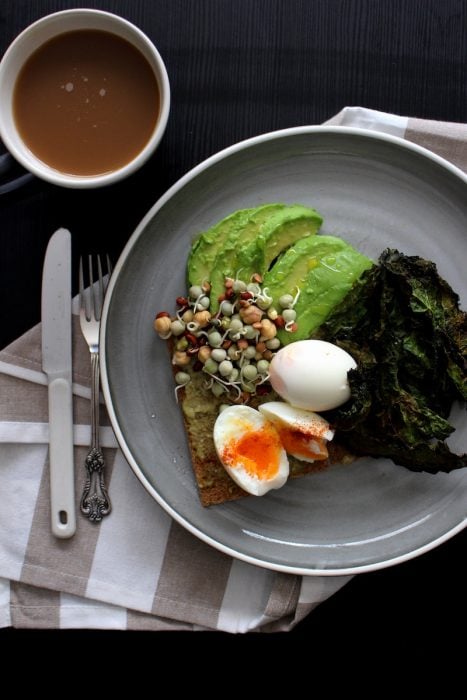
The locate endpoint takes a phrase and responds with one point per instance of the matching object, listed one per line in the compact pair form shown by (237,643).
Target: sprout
(218,354)
(210,366)
(192,326)
(201,302)
(262,366)
(233,352)
(249,352)
(162,325)
(254,288)
(286,301)
(234,347)
(226,308)
(218,389)
(296,297)
(236,325)
(263,299)
(215,339)
(225,368)
(273,343)
(289,315)
(249,372)
(195,291)
(239,286)
(181,379)
(249,332)
(228,384)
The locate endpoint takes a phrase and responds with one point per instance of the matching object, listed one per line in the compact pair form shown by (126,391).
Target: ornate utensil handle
(95,502)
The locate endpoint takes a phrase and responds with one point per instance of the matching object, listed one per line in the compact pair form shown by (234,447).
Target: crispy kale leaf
(402,323)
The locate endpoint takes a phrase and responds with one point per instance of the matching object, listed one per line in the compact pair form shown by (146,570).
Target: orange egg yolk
(300,444)
(257,451)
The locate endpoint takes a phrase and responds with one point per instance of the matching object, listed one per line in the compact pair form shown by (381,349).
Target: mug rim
(36,35)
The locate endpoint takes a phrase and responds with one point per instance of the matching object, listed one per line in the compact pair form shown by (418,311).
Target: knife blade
(56,363)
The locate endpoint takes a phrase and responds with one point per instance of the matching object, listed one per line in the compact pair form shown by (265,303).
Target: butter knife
(56,363)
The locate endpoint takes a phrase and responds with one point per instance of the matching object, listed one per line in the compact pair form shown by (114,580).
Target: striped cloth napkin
(138,569)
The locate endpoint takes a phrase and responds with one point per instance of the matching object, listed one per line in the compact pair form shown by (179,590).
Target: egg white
(233,423)
(312,374)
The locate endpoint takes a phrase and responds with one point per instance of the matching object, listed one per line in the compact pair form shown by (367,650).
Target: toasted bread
(200,409)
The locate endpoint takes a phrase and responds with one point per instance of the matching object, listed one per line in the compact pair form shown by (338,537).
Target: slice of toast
(200,409)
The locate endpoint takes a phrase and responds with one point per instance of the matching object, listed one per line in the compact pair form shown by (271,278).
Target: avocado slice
(277,234)
(270,229)
(208,243)
(323,268)
(227,260)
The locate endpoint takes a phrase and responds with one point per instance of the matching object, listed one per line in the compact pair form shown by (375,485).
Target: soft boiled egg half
(303,434)
(253,445)
(249,447)
(312,374)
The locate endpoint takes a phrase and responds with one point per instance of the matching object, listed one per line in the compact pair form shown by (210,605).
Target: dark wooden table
(239,68)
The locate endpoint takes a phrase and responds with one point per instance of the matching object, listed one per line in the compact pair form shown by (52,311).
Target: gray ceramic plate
(373,190)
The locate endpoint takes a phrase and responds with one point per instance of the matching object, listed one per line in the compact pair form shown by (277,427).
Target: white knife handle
(62,487)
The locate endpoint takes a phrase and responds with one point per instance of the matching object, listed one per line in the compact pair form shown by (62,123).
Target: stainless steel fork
(95,503)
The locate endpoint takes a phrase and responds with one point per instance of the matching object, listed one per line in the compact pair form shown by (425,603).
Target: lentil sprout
(233,347)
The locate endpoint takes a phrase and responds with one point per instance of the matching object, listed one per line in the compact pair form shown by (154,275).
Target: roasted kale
(403,325)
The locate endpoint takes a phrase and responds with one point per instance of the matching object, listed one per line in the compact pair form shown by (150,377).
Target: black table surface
(239,68)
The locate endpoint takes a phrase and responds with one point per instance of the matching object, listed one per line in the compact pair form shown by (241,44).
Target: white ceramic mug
(34,37)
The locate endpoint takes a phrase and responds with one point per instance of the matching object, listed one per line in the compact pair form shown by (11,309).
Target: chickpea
(251,314)
(272,313)
(180,358)
(162,326)
(187,316)
(268,329)
(202,318)
(204,353)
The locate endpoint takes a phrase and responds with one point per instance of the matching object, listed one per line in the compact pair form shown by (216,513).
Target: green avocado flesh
(277,233)
(323,269)
(206,246)
(278,241)
(249,244)
(228,261)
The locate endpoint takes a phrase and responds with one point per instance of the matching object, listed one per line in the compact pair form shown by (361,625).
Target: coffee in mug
(84,98)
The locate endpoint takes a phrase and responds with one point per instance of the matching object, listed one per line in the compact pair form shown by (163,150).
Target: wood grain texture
(239,68)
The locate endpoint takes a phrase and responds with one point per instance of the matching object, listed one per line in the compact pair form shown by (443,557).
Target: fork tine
(81,281)
(92,292)
(98,306)
(83,297)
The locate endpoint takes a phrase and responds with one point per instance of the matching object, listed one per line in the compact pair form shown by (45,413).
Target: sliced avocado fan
(206,246)
(277,234)
(322,269)
(270,229)
(227,261)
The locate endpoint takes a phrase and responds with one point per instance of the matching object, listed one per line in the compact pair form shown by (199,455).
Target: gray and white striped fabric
(138,569)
